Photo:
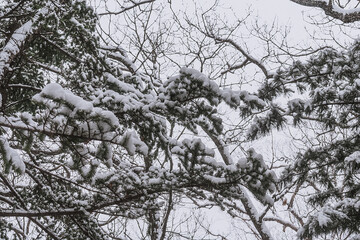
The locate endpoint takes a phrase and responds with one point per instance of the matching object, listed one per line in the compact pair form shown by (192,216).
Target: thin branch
(243,52)
(124,9)
(24,87)
(72,57)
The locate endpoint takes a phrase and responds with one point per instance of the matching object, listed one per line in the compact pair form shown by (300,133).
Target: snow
(178,88)
(155,181)
(177,150)
(14,44)
(210,161)
(247,97)
(200,76)
(308,105)
(295,103)
(242,162)
(76,22)
(214,180)
(125,87)
(227,153)
(323,219)
(348,202)
(55,91)
(85,170)
(254,212)
(132,143)
(11,155)
(18,38)
(357,82)
(354,157)
(344,10)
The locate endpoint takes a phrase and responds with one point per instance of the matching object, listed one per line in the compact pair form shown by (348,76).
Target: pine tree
(81,140)
(329,88)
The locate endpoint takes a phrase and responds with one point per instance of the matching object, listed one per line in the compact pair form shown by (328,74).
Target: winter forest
(163,119)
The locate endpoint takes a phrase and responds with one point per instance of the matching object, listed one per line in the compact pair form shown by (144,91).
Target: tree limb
(329,10)
(124,9)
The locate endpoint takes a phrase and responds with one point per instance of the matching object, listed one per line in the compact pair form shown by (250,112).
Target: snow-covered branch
(332,9)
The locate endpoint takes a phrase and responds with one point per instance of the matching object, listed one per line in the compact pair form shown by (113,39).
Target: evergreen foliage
(330,88)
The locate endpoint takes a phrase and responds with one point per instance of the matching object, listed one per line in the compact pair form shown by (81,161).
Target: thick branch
(17,41)
(245,200)
(330,10)
(284,223)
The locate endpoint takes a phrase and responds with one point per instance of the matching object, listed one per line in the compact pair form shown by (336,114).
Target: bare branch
(284,223)
(124,9)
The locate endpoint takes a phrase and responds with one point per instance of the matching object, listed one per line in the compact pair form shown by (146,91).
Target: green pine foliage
(329,86)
